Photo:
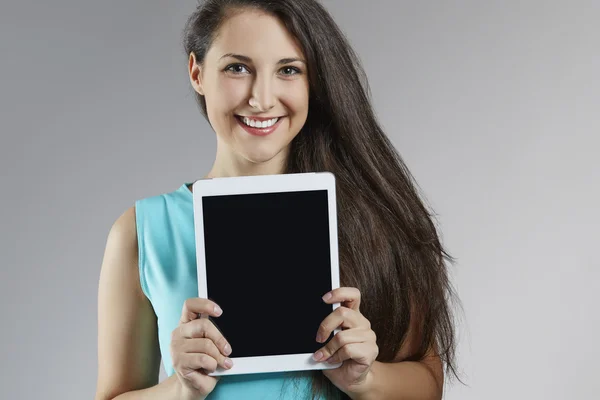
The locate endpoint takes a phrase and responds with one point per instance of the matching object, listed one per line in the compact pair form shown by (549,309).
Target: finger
(194,306)
(341,317)
(190,362)
(348,296)
(204,328)
(200,381)
(363,353)
(206,346)
(342,339)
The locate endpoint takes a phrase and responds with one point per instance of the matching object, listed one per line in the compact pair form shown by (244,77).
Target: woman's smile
(259,126)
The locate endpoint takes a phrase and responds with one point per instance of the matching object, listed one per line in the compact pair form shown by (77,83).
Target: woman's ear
(195,72)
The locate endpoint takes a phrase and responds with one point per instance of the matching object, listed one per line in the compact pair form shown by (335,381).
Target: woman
(282,63)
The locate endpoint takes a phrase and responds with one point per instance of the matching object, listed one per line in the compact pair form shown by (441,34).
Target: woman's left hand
(355,345)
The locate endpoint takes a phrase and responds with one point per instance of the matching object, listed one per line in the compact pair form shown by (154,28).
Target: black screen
(268,265)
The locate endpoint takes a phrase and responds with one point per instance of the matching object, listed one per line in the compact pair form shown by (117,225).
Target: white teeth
(260,124)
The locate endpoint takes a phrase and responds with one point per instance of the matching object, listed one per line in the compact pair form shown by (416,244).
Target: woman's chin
(260,156)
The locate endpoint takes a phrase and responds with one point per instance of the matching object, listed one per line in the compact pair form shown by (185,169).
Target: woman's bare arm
(128,352)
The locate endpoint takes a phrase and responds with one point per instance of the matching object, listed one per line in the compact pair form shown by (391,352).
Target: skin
(259,87)
(128,348)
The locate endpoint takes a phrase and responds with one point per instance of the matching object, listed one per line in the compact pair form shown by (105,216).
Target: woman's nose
(262,98)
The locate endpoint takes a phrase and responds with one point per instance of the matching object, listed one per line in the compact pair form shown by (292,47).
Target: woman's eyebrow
(249,60)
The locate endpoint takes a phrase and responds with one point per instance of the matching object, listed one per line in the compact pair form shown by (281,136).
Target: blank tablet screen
(268,264)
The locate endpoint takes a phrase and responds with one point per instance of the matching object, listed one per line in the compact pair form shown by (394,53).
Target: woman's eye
(290,71)
(236,68)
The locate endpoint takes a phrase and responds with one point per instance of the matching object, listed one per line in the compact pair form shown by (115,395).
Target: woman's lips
(259,131)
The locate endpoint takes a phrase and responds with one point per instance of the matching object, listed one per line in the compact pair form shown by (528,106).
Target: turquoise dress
(167,267)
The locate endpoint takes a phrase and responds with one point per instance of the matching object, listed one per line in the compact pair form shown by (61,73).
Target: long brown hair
(389,247)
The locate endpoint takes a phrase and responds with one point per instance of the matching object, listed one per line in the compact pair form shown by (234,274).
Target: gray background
(494,106)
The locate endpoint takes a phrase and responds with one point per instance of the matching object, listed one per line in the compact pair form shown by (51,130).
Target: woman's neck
(229,164)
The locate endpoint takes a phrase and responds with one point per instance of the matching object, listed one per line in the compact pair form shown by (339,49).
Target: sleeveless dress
(168,276)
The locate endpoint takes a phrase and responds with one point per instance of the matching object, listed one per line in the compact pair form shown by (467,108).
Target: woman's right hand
(197,348)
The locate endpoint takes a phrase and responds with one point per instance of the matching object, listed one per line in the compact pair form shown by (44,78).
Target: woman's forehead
(257,35)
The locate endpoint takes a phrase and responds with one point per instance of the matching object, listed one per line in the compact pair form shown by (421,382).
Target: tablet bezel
(267,184)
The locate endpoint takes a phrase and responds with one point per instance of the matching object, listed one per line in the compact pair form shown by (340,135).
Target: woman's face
(254,74)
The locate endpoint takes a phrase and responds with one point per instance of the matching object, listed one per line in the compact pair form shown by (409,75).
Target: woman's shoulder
(124,229)
(123,233)
(182,193)
(159,208)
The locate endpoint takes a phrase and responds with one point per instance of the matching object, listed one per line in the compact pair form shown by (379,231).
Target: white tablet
(267,251)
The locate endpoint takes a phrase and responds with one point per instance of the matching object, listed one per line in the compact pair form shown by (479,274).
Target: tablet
(267,251)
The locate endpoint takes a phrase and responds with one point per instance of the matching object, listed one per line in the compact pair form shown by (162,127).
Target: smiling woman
(284,93)
(253,70)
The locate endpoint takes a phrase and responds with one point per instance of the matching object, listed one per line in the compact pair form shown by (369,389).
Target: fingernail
(227,349)
(228,363)
(319,338)
(327,296)
(318,355)
(218,310)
